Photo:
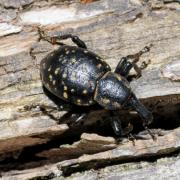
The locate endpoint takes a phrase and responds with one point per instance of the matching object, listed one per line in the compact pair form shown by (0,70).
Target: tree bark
(112,29)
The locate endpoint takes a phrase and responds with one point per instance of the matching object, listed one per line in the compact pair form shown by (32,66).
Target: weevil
(78,76)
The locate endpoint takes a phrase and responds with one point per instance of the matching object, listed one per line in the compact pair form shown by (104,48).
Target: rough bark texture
(34,143)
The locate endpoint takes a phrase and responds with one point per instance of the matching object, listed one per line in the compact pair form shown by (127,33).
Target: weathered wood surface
(124,152)
(111,28)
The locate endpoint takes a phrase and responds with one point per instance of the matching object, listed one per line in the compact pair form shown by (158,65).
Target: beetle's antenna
(140,53)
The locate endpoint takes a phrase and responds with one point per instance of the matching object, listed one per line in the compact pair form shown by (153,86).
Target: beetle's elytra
(71,73)
(78,76)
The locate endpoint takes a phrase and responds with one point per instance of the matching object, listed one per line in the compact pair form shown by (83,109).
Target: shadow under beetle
(80,77)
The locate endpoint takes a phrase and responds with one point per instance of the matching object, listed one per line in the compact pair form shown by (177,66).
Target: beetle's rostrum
(78,76)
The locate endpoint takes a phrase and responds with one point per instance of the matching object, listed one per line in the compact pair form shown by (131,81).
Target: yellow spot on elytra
(99,65)
(65,88)
(64,61)
(73,51)
(84,91)
(72,90)
(85,51)
(119,77)
(50,77)
(67,52)
(78,101)
(73,76)
(106,101)
(73,60)
(90,102)
(116,104)
(56,71)
(64,75)
(49,68)
(54,82)
(55,89)
(65,95)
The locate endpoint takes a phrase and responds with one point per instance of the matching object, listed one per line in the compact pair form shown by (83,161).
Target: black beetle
(79,76)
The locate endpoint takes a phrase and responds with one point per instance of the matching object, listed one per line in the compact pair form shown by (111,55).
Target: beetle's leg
(37,106)
(145,134)
(46,109)
(75,40)
(61,105)
(116,125)
(73,118)
(78,118)
(127,63)
(54,39)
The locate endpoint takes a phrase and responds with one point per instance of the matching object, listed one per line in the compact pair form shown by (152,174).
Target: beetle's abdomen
(71,74)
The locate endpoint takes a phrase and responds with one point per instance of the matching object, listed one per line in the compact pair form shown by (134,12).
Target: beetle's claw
(153,136)
(146,48)
(145,64)
(42,35)
(132,138)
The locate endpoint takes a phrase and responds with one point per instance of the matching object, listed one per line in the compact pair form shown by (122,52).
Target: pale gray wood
(112,29)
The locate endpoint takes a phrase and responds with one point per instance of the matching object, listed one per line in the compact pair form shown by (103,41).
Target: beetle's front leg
(127,63)
(145,134)
(53,40)
(116,125)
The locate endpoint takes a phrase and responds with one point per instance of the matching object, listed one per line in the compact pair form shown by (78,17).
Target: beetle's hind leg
(54,39)
(76,40)
(127,63)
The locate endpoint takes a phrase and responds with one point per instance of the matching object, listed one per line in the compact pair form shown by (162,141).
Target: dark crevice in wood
(171,1)
(163,120)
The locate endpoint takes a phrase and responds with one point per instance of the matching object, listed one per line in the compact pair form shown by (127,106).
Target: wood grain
(110,28)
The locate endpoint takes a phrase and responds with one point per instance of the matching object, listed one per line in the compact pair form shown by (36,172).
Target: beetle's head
(113,91)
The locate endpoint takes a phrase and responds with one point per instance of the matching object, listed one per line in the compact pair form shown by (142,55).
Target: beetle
(78,76)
